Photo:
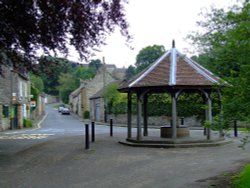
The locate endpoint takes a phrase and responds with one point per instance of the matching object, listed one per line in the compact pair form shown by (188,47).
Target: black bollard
(93,131)
(86,136)
(235,128)
(111,127)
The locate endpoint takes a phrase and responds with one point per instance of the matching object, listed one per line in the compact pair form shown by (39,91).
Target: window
(25,90)
(5,111)
(20,88)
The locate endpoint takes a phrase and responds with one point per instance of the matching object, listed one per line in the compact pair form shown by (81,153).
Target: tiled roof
(173,69)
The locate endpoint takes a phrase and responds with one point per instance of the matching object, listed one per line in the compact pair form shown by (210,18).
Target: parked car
(65,111)
(61,106)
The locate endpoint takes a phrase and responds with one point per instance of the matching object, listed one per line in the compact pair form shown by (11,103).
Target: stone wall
(155,120)
(97,84)
(13,82)
(5,85)
(94,103)
(79,99)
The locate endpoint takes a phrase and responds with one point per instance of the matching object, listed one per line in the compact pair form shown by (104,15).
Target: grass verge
(243,179)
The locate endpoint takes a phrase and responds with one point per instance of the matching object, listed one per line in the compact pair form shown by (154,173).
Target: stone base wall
(155,120)
(4,122)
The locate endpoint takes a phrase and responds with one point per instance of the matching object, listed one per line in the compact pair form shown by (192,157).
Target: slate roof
(100,93)
(173,69)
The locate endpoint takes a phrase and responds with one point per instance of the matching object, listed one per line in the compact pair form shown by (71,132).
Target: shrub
(86,114)
(27,123)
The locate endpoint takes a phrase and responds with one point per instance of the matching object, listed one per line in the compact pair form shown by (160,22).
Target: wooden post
(129,115)
(145,115)
(174,114)
(139,113)
(209,116)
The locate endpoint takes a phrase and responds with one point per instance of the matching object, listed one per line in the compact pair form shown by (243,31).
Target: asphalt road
(58,159)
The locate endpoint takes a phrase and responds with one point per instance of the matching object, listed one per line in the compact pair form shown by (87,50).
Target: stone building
(97,104)
(14,98)
(79,99)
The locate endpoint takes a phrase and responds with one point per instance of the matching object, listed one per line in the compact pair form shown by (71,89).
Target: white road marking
(25,136)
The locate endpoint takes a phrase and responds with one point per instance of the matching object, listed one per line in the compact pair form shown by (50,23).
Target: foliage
(37,82)
(95,64)
(86,114)
(54,25)
(116,101)
(224,42)
(67,83)
(225,50)
(130,72)
(147,56)
(159,104)
(27,123)
(49,69)
(35,93)
(243,179)
(236,98)
(83,73)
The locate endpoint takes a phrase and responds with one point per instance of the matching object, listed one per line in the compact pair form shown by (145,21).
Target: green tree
(225,50)
(147,56)
(54,25)
(225,40)
(37,82)
(67,84)
(83,73)
(49,69)
(95,64)
(116,101)
(130,72)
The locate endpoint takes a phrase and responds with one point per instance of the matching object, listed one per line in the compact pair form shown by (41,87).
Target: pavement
(64,162)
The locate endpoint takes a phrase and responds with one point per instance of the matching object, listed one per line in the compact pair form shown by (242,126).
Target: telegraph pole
(104,90)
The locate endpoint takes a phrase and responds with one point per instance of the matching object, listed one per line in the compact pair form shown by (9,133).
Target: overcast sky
(155,22)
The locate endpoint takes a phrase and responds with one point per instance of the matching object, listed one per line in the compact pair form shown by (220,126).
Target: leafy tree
(83,73)
(116,101)
(130,72)
(67,84)
(225,40)
(35,92)
(225,49)
(147,56)
(37,82)
(53,25)
(95,64)
(49,69)
(236,98)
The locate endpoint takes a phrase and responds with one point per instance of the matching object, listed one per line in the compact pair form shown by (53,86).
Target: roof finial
(173,44)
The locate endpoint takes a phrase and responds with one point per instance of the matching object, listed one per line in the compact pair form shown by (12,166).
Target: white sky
(155,22)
